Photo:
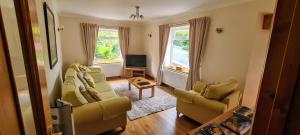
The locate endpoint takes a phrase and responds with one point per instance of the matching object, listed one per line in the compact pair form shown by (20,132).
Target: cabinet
(134,72)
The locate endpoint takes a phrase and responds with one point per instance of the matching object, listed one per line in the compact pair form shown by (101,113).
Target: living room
(141,67)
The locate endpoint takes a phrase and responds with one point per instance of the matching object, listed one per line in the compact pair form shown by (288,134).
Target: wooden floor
(161,123)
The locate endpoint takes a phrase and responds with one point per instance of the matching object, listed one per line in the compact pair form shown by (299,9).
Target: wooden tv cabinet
(134,72)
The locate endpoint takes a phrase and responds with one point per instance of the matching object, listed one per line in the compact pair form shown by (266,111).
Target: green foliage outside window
(107,47)
(182,39)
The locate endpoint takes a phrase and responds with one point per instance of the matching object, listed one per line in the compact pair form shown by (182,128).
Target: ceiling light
(137,14)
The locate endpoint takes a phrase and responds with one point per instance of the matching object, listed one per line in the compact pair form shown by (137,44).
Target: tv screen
(135,60)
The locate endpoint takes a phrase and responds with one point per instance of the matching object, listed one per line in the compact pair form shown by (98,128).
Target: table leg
(140,94)
(129,86)
(152,92)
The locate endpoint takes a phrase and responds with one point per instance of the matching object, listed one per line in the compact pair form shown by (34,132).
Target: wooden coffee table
(141,83)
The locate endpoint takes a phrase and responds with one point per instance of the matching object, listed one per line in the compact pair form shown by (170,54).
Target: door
(10,124)
(16,65)
(29,113)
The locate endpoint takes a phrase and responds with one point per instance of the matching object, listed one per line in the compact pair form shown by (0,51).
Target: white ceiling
(122,9)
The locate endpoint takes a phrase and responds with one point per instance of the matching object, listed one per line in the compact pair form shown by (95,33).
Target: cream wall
(53,76)
(72,48)
(227,55)
(257,62)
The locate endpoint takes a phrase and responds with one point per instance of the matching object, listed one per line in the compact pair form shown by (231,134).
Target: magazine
(244,111)
(215,129)
(238,124)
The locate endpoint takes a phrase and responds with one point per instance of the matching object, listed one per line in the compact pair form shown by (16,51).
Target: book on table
(215,129)
(244,111)
(238,124)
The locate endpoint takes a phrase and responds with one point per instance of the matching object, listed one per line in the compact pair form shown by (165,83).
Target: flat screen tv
(135,60)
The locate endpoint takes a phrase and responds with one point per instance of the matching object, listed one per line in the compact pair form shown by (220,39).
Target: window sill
(177,71)
(104,63)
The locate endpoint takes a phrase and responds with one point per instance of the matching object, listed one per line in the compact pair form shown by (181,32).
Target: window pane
(107,47)
(180,54)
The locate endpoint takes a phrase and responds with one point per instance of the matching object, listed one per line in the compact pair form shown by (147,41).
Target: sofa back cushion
(220,90)
(71,92)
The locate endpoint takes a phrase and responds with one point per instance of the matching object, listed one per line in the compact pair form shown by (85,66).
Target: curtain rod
(108,27)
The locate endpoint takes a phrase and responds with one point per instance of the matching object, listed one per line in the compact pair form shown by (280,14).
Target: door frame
(281,70)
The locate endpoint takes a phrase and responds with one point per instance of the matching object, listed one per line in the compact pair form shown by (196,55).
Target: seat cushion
(108,95)
(103,86)
(220,90)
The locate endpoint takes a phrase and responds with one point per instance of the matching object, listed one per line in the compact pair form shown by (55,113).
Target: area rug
(148,105)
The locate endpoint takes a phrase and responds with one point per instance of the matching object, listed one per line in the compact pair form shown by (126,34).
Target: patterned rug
(148,105)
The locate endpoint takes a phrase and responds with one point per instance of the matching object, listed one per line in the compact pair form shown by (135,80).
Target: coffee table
(141,83)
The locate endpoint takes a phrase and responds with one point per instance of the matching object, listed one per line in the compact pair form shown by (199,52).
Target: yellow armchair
(195,105)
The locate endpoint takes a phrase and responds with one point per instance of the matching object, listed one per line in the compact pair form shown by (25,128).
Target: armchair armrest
(114,107)
(211,104)
(185,96)
(88,112)
(232,100)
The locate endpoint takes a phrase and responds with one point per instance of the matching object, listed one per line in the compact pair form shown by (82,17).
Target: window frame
(170,47)
(98,60)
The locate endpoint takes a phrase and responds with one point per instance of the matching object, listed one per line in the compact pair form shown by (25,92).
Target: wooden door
(275,104)
(9,121)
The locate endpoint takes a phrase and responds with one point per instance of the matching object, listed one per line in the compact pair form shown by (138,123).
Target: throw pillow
(95,94)
(84,82)
(89,79)
(86,94)
(199,87)
(220,91)
(75,66)
(84,68)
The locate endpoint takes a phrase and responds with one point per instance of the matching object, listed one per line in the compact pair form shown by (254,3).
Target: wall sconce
(60,28)
(219,30)
(150,35)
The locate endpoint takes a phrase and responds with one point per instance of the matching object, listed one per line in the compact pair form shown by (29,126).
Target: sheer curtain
(198,38)
(124,43)
(89,37)
(164,31)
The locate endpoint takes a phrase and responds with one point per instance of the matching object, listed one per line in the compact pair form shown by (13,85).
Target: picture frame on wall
(51,35)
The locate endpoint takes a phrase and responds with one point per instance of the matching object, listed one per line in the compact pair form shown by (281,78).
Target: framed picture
(51,36)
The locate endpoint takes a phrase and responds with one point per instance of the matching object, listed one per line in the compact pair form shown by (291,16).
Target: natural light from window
(177,54)
(107,47)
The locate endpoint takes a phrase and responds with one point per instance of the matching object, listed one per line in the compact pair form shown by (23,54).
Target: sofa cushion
(80,76)
(87,95)
(108,95)
(70,73)
(95,94)
(220,90)
(89,79)
(72,94)
(103,87)
(84,68)
(199,87)
(75,66)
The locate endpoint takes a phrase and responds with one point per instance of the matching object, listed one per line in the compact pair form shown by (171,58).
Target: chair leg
(178,113)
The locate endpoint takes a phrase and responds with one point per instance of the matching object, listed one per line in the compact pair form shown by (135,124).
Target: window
(178,47)
(107,47)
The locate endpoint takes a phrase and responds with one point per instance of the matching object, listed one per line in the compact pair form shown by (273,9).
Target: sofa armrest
(114,107)
(86,113)
(210,104)
(232,100)
(185,96)
(97,76)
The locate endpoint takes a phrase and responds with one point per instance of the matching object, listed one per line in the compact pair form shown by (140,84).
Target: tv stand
(134,72)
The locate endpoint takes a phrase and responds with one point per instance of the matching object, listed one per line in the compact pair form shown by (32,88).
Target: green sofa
(198,107)
(96,117)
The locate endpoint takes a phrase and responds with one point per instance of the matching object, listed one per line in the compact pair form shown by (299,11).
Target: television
(136,61)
